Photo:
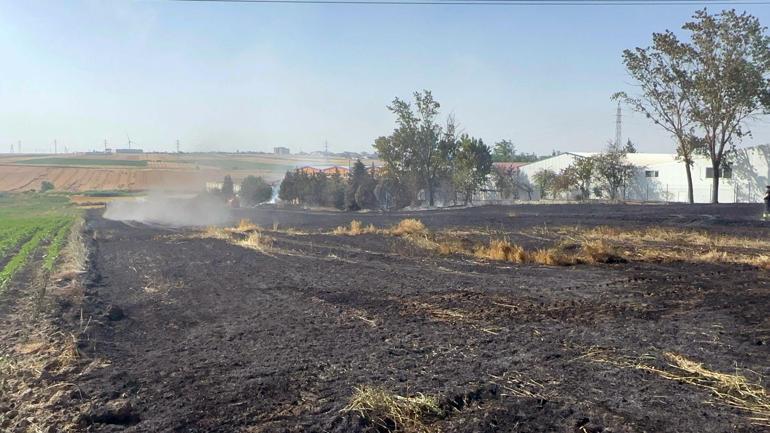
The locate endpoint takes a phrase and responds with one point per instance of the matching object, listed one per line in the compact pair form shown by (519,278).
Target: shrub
(46,186)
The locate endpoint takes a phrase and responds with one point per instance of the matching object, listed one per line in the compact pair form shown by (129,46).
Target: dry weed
(408,226)
(257,241)
(502,250)
(552,257)
(734,390)
(599,251)
(356,228)
(392,412)
(245,225)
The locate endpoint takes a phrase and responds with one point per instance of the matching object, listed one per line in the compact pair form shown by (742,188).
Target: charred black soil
(200,335)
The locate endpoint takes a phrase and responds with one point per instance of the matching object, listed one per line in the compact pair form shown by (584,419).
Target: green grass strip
(12,238)
(56,245)
(20,259)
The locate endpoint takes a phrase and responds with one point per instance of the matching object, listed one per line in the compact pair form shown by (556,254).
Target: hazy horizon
(250,77)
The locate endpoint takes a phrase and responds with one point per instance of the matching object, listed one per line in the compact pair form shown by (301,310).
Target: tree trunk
(715,182)
(688,169)
(430,194)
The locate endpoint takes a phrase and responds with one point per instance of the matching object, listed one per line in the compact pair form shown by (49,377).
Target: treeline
(426,162)
(352,192)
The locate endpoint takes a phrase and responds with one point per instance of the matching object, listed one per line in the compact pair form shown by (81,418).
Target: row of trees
(429,155)
(356,191)
(704,90)
(424,160)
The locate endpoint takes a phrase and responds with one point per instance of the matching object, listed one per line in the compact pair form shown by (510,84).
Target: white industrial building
(661,177)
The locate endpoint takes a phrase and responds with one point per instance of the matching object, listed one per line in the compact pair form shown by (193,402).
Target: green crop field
(102,162)
(29,224)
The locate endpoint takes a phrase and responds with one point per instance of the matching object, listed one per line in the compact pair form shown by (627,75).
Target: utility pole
(618,127)
(54,147)
(11,148)
(105,145)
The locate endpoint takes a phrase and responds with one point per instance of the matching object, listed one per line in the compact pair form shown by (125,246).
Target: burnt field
(293,327)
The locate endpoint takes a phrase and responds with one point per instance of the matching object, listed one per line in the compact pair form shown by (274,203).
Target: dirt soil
(199,335)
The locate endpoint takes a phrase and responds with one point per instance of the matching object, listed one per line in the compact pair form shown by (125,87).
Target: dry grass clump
(257,241)
(390,412)
(356,228)
(689,237)
(408,226)
(552,257)
(734,390)
(246,225)
(761,261)
(502,250)
(75,252)
(599,251)
(246,234)
(446,248)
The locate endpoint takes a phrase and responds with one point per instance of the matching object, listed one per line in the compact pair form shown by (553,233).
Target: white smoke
(171,210)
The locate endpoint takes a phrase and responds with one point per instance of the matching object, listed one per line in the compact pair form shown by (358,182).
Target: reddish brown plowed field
(219,338)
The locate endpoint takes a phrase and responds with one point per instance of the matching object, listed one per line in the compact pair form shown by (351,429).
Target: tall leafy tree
(471,166)
(255,190)
(544,179)
(419,145)
(613,170)
(580,174)
(227,186)
(729,56)
(504,151)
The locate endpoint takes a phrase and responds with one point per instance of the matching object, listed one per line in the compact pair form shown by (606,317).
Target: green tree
(46,186)
(665,89)
(544,180)
(227,186)
(288,189)
(580,174)
(419,146)
(471,166)
(729,61)
(613,170)
(504,151)
(255,190)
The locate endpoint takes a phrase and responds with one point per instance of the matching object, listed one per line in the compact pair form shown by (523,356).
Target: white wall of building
(555,163)
(667,180)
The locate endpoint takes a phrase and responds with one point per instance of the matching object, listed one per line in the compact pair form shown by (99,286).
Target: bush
(46,186)
(255,190)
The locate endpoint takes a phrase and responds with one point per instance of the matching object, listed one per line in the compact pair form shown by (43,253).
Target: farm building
(129,151)
(281,150)
(661,177)
(217,186)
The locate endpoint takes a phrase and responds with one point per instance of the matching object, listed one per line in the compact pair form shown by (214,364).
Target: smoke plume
(171,210)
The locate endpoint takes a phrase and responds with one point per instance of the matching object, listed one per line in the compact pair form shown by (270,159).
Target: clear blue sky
(253,76)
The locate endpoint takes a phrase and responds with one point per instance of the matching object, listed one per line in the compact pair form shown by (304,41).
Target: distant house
(217,186)
(336,169)
(328,170)
(281,151)
(129,151)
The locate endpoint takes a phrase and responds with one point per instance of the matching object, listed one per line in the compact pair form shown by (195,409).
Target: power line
(497,2)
